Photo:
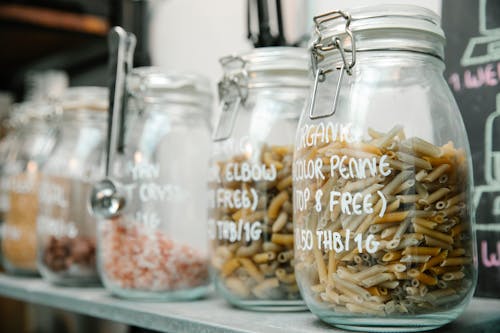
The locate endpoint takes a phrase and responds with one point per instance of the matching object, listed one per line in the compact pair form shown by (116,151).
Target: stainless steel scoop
(105,200)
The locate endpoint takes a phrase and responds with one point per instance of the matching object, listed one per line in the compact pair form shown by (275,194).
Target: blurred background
(51,43)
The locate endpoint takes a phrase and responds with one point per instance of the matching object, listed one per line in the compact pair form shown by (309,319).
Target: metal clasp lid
(324,45)
(233,91)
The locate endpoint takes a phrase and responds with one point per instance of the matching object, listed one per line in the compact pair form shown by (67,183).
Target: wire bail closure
(322,46)
(233,91)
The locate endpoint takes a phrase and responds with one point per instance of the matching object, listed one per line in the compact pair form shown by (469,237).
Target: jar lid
(85,98)
(386,27)
(154,85)
(289,63)
(272,58)
(23,113)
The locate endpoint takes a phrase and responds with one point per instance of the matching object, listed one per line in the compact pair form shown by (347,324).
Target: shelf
(54,18)
(208,315)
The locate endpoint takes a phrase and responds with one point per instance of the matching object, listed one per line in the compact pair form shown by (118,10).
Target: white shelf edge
(207,315)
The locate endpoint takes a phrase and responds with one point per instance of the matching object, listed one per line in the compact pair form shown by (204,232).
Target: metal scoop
(105,200)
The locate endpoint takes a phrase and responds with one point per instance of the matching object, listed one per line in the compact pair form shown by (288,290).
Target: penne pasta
(414,161)
(436,173)
(435,196)
(433,233)
(418,246)
(424,147)
(392,217)
(451,276)
(424,223)
(420,250)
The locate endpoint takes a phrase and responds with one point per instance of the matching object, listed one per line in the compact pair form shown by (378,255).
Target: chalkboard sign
(472,28)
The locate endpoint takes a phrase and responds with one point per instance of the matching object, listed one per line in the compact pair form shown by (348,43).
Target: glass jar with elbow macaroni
(66,230)
(382,176)
(156,246)
(31,141)
(250,226)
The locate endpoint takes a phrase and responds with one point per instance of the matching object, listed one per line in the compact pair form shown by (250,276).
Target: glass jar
(156,247)
(66,229)
(382,176)
(262,94)
(6,145)
(31,143)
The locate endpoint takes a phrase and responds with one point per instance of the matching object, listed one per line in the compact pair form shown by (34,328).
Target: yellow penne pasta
(424,223)
(386,139)
(436,173)
(455,199)
(421,175)
(392,217)
(435,196)
(433,233)
(452,276)
(420,250)
(391,256)
(422,277)
(396,182)
(414,161)
(424,147)
(457,261)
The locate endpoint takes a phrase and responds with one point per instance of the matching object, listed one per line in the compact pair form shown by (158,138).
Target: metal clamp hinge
(233,92)
(318,50)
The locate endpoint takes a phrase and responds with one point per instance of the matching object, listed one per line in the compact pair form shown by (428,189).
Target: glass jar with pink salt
(154,245)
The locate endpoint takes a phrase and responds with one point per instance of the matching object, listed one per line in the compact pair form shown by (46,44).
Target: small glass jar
(262,94)
(383,176)
(156,247)
(66,229)
(31,142)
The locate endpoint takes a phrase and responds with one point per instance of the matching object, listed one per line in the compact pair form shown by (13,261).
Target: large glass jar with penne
(251,230)
(382,176)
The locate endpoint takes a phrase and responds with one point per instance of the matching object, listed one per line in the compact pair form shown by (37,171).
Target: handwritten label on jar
(347,165)
(235,231)
(245,200)
(147,187)
(62,208)
(246,188)
(335,241)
